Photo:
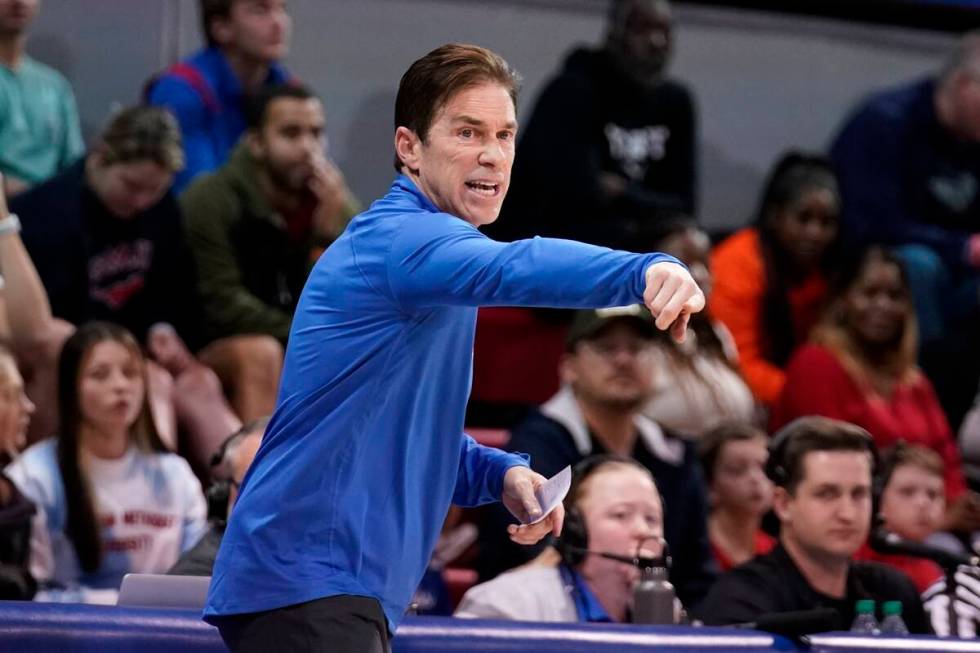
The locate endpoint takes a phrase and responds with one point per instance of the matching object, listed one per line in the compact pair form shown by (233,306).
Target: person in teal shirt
(39,128)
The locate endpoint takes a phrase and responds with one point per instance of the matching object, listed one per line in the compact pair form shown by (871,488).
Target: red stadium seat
(458,581)
(490,437)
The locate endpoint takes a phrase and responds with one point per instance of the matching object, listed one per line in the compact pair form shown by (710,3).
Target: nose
(492,154)
(28,405)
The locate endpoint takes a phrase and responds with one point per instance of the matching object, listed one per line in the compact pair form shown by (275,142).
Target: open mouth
(484,188)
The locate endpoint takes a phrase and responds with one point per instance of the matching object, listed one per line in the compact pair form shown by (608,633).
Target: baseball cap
(588,323)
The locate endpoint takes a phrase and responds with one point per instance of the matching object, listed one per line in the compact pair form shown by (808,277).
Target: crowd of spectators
(149,282)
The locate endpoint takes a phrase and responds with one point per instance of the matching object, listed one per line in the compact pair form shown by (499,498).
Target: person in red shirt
(860,367)
(733,456)
(770,278)
(911,504)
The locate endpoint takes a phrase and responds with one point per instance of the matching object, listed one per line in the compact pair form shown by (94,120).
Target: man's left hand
(672,296)
(518,496)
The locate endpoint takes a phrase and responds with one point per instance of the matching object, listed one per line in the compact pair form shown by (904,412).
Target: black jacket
(16,582)
(94,266)
(593,119)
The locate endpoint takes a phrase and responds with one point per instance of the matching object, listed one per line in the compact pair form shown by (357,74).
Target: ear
(781,503)
(221,30)
(253,141)
(408,147)
(566,369)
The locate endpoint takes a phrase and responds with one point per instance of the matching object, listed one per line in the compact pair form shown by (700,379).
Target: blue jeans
(942,296)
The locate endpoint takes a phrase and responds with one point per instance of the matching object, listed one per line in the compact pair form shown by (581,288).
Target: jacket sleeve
(439,259)
(188,107)
(945,443)
(736,300)
(481,472)
(695,570)
(229,308)
(72,146)
(193,509)
(868,157)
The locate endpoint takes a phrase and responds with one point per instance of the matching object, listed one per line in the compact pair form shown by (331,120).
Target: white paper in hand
(552,492)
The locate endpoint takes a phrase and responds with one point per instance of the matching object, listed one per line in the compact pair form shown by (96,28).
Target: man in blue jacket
(337,517)
(908,160)
(207,91)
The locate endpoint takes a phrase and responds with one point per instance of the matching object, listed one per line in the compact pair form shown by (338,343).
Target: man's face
(828,516)
(623,515)
(16,15)
(464,165)
(258,29)
(913,502)
(614,368)
(290,141)
(643,43)
(128,189)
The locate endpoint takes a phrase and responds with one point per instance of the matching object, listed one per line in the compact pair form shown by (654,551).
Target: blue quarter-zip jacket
(366,451)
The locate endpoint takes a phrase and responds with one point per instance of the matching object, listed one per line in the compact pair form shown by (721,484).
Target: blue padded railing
(76,628)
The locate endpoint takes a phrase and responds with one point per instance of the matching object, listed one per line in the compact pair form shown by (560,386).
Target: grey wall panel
(763,82)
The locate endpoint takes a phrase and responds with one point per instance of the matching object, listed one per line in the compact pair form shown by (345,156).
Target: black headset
(218,494)
(776,464)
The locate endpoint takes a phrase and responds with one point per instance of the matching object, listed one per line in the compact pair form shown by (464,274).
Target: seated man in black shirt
(822,471)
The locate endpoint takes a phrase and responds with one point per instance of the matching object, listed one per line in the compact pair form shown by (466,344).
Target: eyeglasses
(609,348)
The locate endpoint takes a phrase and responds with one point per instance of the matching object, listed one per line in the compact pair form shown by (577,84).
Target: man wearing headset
(822,470)
(612,513)
(228,467)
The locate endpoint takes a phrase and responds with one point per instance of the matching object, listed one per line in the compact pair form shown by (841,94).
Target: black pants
(336,624)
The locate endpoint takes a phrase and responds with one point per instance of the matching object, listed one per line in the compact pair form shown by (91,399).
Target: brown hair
(81,525)
(832,332)
(791,444)
(210,10)
(714,440)
(909,455)
(143,133)
(433,80)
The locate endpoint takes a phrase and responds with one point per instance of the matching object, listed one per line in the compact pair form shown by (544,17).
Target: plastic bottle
(893,624)
(653,598)
(864,618)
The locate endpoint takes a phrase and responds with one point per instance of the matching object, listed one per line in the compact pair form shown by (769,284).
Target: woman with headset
(613,514)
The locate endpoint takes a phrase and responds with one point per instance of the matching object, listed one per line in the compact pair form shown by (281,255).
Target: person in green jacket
(257,224)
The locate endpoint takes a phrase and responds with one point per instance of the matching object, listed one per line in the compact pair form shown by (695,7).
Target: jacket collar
(564,409)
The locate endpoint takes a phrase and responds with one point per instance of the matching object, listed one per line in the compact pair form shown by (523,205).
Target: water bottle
(893,624)
(653,598)
(864,618)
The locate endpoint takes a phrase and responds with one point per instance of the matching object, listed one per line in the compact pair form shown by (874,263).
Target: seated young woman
(113,500)
(770,278)
(860,367)
(697,384)
(733,457)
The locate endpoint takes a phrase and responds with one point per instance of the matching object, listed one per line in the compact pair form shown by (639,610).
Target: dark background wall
(763,81)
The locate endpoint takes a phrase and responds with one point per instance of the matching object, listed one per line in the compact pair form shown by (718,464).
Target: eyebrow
(469,120)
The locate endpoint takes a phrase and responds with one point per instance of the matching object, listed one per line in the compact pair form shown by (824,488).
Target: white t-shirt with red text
(150,509)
